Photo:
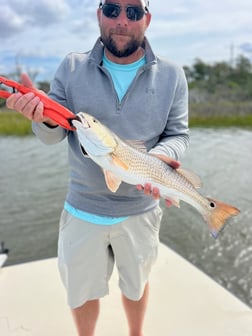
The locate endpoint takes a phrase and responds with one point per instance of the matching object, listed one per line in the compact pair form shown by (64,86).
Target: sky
(36,35)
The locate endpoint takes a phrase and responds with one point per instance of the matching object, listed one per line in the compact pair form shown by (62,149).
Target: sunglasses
(112,11)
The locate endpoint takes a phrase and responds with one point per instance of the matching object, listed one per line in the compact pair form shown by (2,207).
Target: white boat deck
(183,302)
(3,258)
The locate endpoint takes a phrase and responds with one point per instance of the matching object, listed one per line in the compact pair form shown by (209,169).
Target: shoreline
(13,123)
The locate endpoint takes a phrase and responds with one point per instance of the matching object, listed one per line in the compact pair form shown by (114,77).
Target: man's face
(120,35)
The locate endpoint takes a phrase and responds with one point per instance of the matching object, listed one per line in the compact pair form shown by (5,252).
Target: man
(140,97)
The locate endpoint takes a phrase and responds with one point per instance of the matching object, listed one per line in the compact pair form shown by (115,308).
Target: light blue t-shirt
(122,76)
(92,218)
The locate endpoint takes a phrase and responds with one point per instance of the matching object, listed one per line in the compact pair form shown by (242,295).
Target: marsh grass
(221,114)
(13,123)
(242,121)
(201,115)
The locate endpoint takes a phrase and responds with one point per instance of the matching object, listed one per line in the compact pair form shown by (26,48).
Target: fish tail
(218,214)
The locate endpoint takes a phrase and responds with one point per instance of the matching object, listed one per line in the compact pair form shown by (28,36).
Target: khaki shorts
(87,253)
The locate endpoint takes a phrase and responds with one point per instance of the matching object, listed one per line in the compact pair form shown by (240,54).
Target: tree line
(220,81)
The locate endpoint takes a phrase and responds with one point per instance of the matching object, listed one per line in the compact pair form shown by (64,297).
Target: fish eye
(212,205)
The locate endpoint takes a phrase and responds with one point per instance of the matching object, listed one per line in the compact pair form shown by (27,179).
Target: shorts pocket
(153,218)
(64,220)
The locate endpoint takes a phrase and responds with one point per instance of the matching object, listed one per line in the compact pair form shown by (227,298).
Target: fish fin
(137,144)
(112,182)
(117,162)
(190,176)
(218,214)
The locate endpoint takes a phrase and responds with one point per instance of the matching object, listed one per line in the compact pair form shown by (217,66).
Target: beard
(128,49)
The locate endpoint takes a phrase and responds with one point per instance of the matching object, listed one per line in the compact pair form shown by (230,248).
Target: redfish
(122,161)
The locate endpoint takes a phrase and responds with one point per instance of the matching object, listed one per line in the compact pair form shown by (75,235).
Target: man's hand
(154,192)
(28,104)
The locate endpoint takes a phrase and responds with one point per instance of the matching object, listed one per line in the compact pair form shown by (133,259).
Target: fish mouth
(71,120)
(80,120)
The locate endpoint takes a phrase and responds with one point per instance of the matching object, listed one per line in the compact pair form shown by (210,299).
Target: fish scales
(155,171)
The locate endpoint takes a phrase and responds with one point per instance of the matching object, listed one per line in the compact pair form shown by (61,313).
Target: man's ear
(148,19)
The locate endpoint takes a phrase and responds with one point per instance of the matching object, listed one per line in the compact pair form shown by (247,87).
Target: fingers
(174,164)
(168,203)
(154,192)
(139,187)
(149,191)
(28,104)
(26,81)
(168,160)
(11,101)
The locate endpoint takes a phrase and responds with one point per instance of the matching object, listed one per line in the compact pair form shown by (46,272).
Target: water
(33,179)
